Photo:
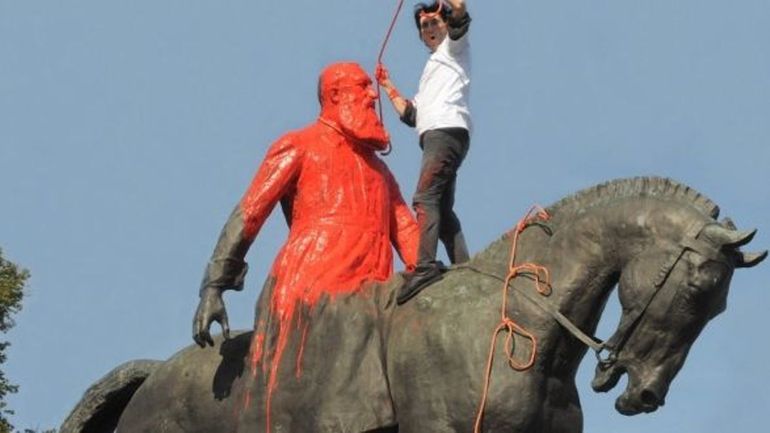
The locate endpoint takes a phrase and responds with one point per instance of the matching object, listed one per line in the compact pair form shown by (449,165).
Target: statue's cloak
(331,374)
(316,354)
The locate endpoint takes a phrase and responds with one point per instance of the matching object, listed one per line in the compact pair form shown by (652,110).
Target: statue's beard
(363,125)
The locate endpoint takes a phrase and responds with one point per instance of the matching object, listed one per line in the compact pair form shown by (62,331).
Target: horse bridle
(614,345)
(690,242)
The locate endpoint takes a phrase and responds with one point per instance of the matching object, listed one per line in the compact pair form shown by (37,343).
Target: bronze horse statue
(657,240)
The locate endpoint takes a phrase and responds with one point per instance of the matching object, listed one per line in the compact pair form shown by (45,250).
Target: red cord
(379,60)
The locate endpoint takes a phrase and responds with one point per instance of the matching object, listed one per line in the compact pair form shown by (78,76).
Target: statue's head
(668,293)
(347,98)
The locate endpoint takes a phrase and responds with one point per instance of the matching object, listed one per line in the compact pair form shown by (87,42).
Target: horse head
(668,293)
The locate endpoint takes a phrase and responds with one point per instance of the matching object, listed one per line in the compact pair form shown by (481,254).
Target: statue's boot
(422,277)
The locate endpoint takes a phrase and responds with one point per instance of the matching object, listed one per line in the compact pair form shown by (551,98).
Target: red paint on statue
(257,347)
(298,370)
(346,211)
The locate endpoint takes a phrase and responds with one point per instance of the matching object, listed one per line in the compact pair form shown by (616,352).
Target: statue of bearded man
(344,210)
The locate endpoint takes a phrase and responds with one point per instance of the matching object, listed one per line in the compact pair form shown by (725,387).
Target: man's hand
(458,8)
(382,75)
(210,309)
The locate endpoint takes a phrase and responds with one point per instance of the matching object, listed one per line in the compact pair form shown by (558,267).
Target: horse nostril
(649,398)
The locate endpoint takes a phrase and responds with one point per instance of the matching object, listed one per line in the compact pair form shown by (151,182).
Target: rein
(594,343)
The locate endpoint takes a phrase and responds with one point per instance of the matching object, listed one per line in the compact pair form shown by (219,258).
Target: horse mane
(604,193)
(659,187)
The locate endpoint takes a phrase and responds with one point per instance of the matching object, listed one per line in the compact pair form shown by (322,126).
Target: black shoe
(420,279)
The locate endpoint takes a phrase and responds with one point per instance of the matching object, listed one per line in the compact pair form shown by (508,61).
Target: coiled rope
(543,284)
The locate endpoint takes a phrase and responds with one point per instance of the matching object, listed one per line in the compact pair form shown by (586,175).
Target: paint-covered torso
(340,218)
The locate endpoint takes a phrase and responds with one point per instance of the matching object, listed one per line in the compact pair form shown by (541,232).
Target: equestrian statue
(492,346)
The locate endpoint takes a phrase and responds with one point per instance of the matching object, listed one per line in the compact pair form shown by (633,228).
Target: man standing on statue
(442,118)
(344,210)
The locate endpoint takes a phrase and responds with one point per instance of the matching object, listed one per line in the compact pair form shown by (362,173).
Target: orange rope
(542,283)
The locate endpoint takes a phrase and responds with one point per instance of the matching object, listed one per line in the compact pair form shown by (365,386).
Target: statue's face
(354,97)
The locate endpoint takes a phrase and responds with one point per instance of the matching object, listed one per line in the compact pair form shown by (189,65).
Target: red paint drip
(257,347)
(284,323)
(298,370)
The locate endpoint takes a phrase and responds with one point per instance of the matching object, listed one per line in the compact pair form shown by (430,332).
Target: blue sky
(128,130)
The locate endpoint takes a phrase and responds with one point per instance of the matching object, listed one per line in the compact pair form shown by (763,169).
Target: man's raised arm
(458,8)
(459,21)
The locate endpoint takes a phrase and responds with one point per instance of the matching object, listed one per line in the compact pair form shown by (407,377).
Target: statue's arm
(227,268)
(404,232)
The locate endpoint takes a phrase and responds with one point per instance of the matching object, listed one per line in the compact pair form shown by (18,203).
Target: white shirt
(442,98)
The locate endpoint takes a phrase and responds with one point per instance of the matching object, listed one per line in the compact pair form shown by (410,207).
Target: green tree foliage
(12,280)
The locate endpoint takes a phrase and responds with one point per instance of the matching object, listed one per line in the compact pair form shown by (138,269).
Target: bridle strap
(618,339)
(689,242)
(594,343)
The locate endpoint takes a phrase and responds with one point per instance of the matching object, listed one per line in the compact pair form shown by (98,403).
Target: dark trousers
(443,151)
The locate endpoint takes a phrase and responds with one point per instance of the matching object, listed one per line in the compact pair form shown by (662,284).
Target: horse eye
(707,275)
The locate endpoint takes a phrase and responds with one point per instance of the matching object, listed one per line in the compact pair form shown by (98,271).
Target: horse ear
(728,238)
(728,223)
(748,260)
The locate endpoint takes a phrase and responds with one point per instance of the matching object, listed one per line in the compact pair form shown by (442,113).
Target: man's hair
(423,8)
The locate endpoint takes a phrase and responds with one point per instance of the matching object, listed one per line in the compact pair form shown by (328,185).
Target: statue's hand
(210,309)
